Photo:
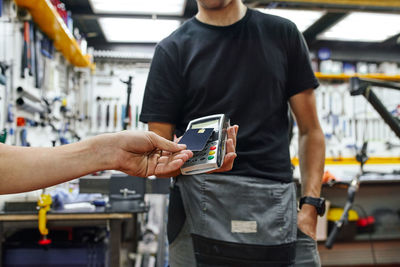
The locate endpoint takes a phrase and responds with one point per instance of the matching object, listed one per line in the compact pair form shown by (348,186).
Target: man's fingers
(166,169)
(183,155)
(163,160)
(230,147)
(164,144)
(232,133)
(166,153)
(228,163)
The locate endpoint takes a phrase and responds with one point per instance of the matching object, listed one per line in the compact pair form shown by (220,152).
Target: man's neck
(225,16)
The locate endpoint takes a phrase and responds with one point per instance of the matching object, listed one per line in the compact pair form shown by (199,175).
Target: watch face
(321,209)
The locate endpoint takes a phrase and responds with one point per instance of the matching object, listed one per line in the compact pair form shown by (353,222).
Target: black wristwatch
(318,203)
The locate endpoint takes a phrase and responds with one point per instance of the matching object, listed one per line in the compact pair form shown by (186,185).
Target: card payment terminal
(212,154)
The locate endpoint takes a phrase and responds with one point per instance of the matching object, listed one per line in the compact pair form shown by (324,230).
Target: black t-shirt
(247,70)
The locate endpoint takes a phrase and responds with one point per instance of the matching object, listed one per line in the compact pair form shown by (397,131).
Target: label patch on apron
(244,226)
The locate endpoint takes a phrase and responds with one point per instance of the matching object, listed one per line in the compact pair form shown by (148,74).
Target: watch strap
(318,203)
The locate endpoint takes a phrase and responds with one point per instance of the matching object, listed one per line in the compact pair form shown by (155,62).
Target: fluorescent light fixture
(157,7)
(137,30)
(302,18)
(364,27)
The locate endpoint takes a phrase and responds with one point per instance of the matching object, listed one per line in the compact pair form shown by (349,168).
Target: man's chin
(214,4)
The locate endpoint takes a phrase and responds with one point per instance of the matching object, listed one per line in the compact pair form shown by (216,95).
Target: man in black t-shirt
(248,65)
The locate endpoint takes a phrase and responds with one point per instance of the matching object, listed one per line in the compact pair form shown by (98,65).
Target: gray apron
(240,221)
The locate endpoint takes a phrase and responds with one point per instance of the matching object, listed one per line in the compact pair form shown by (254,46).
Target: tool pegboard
(44,99)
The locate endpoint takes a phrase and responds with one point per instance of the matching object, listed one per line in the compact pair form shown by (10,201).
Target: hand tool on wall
(108,115)
(390,146)
(344,128)
(137,117)
(328,115)
(2,79)
(98,115)
(47,47)
(123,110)
(44,204)
(115,115)
(3,68)
(21,132)
(130,116)
(26,52)
(23,135)
(3,94)
(127,118)
(350,128)
(35,56)
(335,122)
(31,50)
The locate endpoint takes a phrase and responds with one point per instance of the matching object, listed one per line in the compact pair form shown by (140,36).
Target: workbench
(113,221)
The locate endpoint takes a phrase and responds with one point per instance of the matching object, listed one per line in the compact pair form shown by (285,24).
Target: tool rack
(48,20)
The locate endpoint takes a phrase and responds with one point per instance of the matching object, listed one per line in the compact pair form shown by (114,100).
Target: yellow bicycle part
(44,203)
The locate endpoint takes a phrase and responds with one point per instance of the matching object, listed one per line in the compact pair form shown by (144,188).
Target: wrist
(317,204)
(309,210)
(103,157)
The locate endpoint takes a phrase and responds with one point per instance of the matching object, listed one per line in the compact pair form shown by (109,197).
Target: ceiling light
(158,7)
(302,18)
(364,27)
(137,30)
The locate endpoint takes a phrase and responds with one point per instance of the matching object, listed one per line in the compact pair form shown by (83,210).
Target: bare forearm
(312,159)
(25,169)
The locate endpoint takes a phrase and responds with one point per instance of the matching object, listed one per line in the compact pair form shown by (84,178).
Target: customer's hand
(138,153)
(230,153)
(307,221)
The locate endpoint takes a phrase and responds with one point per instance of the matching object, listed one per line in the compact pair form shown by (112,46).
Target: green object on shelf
(3,136)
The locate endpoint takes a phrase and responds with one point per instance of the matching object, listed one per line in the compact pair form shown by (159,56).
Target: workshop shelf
(353,161)
(342,76)
(50,22)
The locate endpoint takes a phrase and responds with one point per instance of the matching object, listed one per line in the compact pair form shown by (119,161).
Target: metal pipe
(29,106)
(27,94)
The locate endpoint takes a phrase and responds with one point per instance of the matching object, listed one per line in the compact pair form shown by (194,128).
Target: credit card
(196,139)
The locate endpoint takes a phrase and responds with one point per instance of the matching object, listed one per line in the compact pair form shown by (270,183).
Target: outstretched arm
(136,153)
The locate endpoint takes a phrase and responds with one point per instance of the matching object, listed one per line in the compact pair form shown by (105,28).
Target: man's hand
(138,153)
(307,220)
(230,154)
(166,130)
